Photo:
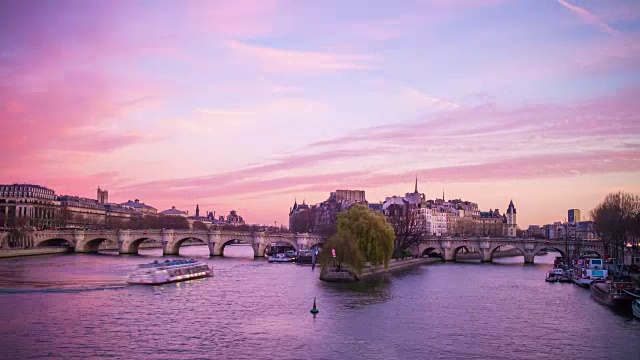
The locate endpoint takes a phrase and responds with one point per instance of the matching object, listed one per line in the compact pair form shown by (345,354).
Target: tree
(65,217)
(407,225)
(616,221)
(303,221)
(366,229)
(347,253)
(199,225)
(465,226)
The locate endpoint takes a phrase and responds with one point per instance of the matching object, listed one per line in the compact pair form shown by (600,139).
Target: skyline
(247,105)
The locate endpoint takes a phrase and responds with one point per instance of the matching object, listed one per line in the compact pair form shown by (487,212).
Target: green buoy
(314,310)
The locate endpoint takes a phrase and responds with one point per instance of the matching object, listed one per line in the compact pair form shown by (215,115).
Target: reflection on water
(77,306)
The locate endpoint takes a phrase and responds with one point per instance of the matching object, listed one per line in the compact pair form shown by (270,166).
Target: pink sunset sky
(248,105)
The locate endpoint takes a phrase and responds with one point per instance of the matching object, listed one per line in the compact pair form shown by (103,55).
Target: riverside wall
(497,254)
(10,253)
(394,265)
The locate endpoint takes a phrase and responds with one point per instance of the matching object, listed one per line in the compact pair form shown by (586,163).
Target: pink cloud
(236,18)
(588,17)
(294,60)
(590,137)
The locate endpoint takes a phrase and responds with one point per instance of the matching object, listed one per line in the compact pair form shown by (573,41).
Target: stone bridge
(448,247)
(87,241)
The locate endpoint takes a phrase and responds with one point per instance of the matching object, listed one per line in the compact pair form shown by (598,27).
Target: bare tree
(303,221)
(407,225)
(616,221)
(65,217)
(199,225)
(465,226)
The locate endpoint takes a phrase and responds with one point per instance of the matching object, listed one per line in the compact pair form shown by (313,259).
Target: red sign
(333,252)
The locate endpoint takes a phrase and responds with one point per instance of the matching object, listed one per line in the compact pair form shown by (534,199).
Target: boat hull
(585,283)
(600,292)
(172,279)
(635,307)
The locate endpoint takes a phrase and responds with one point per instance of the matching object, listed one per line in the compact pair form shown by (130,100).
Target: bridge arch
(456,250)
(132,246)
(234,241)
(56,242)
(430,252)
(591,251)
(552,248)
(520,250)
(280,242)
(90,245)
(174,246)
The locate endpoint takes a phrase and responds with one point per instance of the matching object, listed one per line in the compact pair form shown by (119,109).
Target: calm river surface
(78,306)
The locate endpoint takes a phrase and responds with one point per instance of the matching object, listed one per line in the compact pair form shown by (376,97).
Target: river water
(77,306)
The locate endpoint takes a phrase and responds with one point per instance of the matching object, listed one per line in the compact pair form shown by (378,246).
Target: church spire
(443,195)
(416,190)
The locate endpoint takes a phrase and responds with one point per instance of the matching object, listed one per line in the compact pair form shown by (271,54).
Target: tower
(197,210)
(103,196)
(510,229)
(416,190)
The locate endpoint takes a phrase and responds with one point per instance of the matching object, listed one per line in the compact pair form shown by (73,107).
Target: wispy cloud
(472,144)
(295,60)
(422,99)
(588,17)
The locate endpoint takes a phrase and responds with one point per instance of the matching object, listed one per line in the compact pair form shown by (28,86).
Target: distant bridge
(88,241)
(448,247)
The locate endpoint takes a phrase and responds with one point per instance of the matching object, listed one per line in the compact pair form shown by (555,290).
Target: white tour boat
(169,271)
(586,270)
(282,258)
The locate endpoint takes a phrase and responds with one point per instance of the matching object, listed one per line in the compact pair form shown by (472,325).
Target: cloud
(236,18)
(466,145)
(294,60)
(423,100)
(588,17)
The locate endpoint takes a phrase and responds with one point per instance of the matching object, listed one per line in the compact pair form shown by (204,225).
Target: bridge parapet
(129,240)
(448,246)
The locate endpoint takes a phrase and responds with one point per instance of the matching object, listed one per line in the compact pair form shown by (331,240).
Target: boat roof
(170,263)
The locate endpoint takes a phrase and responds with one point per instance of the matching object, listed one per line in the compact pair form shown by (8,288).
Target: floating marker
(314,310)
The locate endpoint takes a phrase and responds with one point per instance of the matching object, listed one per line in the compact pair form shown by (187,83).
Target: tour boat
(167,271)
(281,258)
(304,257)
(586,270)
(636,308)
(557,275)
(610,293)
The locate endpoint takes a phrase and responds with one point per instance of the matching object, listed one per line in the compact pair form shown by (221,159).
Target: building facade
(27,205)
(324,215)
(573,215)
(174,212)
(491,223)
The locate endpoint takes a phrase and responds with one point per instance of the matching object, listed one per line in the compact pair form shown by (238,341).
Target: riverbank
(11,253)
(496,254)
(34,251)
(345,275)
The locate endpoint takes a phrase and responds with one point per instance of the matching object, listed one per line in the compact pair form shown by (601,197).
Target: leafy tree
(363,234)
(347,253)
